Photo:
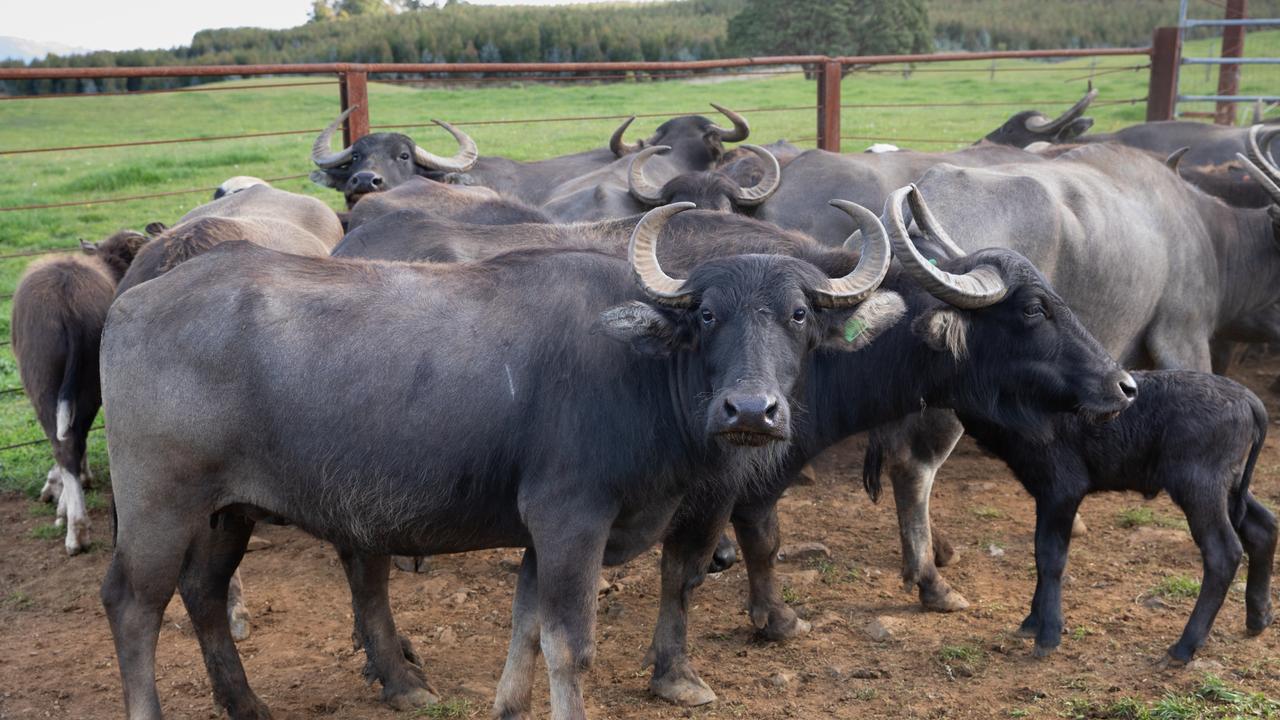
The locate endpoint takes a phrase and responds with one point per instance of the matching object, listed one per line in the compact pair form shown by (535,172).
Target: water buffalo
(260,214)
(1193,435)
(1155,272)
(530,441)
(1031,126)
(381,161)
(59,308)
(464,203)
(235,184)
(708,189)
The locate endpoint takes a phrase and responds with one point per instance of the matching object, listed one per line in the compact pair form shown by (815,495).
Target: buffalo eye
(1034,310)
(404,156)
(355,156)
(798,317)
(708,317)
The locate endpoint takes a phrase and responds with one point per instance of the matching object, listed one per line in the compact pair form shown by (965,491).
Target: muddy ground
(57,660)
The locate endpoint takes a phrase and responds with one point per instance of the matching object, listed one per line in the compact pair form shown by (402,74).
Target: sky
(100,25)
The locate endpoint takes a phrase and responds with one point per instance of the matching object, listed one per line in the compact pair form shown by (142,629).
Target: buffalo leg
(685,553)
(914,449)
(1258,535)
(757,529)
(1054,516)
(404,685)
(568,567)
(515,689)
(139,583)
(206,576)
(71,506)
(1220,552)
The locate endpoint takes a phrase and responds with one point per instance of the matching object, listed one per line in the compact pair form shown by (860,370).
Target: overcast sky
(101,25)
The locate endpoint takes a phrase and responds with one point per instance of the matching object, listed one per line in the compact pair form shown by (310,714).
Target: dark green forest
(410,31)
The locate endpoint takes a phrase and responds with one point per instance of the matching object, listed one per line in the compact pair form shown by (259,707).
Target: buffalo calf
(59,310)
(1193,435)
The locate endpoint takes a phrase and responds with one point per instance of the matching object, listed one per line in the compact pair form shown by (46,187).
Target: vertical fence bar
(353,90)
(828,74)
(1229,75)
(1162,89)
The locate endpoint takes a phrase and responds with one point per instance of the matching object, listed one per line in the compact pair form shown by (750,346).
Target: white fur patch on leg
(52,489)
(71,509)
(237,613)
(64,419)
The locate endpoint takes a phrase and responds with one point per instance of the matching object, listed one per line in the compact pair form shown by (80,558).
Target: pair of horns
(463,161)
(1042,125)
(840,292)
(1258,164)
(740,131)
(650,194)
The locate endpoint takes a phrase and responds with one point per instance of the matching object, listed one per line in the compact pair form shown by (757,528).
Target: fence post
(353,89)
(829,105)
(1162,90)
(1229,75)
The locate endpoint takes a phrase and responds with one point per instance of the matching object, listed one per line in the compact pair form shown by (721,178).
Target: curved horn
(642,252)
(1175,157)
(640,187)
(740,129)
(1257,164)
(1040,124)
(980,287)
(320,154)
(619,146)
(930,226)
(872,265)
(769,182)
(464,160)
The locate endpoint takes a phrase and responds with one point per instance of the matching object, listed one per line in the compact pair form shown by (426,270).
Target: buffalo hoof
(1026,632)
(1169,662)
(52,486)
(781,624)
(1078,528)
(409,698)
(409,564)
(807,476)
(682,687)
(1254,626)
(1042,651)
(944,600)
(411,655)
(257,710)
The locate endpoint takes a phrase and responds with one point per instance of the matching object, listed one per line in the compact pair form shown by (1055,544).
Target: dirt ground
(57,660)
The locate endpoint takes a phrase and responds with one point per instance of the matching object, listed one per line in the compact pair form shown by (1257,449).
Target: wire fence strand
(166,91)
(37,441)
(128,198)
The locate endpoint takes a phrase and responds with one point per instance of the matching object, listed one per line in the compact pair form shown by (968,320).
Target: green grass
(1177,587)
(48,532)
(1211,699)
(988,513)
(53,177)
(1144,516)
(447,710)
(961,660)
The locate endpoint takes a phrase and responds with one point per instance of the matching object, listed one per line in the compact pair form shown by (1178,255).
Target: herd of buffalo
(641,344)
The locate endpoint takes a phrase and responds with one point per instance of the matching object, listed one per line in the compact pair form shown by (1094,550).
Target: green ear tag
(933,261)
(853,328)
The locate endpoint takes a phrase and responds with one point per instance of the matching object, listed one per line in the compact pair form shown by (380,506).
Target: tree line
(414,31)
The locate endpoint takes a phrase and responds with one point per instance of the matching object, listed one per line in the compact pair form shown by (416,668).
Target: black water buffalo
(1155,272)
(59,308)
(1193,435)
(866,179)
(1032,126)
(469,204)
(210,373)
(975,347)
(381,161)
(715,189)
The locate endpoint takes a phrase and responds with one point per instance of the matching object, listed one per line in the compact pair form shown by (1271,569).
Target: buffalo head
(751,320)
(381,161)
(693,137)
(1030,126)
(1023,355)
(708,189)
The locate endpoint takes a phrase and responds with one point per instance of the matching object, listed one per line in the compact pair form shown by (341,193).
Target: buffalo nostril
(771,412)
(376,182)
(1128,387)
(730,410)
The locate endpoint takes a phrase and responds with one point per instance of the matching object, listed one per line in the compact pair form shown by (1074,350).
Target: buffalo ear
(90,248)
(323,179)
(155,228)
(648,330)
(849,331)
(944,329)
(1074,129)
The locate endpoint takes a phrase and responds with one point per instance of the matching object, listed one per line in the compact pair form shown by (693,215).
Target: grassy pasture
(250,108)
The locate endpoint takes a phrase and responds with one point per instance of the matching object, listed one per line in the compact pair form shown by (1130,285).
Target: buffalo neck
(1248,260)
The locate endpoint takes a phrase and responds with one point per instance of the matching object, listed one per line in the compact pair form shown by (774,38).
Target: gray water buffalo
(260,214)
(381,161)
(59,308)
(866,179)
(210,373)
(1154,272)
(464,203)
(1032,126)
